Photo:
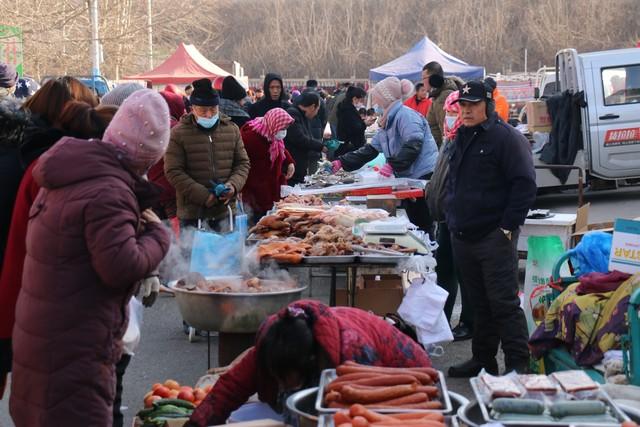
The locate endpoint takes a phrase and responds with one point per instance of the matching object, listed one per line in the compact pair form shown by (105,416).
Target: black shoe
(520,368)
(471,368)
(461,332)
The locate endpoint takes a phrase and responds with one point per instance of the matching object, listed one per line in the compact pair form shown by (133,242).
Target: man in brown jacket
(206,161)
(439,89)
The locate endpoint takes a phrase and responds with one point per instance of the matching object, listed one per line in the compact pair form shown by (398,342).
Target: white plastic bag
(131,337)
(423,307)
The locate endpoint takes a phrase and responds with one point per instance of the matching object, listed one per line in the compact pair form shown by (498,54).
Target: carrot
(386,380)
(421,377)
(405,400)
(358,410)
(435,416)
(339,382)
(434,404)
(412,423)
(432,391)
(332,396)
(341,418)
(355,395)
(433,373)
(360,422)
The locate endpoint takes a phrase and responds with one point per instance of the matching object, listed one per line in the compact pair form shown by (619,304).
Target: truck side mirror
(536,93)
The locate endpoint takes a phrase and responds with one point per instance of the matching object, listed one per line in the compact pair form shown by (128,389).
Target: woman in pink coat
(89,242)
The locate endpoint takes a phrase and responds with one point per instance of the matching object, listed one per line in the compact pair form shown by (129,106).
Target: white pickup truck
(610,81)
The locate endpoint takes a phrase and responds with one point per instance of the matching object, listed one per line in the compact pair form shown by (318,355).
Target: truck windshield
(621,85)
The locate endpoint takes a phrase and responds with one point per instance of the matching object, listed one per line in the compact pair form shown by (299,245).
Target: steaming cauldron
(232,312)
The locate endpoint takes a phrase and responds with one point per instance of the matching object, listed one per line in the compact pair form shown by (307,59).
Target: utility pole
(525,60)
(149,35)
(95,41)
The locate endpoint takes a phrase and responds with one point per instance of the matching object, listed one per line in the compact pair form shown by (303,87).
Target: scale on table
(393,233)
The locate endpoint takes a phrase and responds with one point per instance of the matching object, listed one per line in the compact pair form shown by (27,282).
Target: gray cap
(8,75)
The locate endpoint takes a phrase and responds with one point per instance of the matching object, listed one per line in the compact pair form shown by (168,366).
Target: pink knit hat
(390,90)
(140,129)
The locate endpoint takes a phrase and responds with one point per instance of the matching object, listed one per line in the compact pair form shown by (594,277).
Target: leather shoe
(471,368)
(461,332)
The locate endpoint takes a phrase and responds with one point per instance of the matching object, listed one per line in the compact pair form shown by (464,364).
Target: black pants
(489,268)
(121,366)
(449,277)
(418,212)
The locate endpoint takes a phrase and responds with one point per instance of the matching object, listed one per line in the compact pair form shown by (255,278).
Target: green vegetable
(518,406)
(144,412)
(567,408)
(175,402)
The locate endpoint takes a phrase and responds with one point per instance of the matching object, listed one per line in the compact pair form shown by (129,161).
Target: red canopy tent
(184,66)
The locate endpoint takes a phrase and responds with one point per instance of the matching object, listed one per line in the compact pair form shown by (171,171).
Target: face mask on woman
(281,134)
(208,123)
(378,109)
(451,121)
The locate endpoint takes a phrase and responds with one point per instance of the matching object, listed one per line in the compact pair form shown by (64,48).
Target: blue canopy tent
(409,66)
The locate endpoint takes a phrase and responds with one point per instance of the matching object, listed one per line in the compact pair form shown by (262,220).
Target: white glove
(149,289)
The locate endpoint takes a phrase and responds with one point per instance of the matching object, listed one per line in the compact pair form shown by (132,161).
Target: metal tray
(337,259)
(486,413)
(329,375)
(381,259)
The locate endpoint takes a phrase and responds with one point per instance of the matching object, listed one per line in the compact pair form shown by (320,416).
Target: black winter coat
(351,128)
(260,108)
(491,181)
(300,143)
(22,140)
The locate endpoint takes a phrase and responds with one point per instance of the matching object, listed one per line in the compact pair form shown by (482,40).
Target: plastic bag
(214,254)
(423,307)
(131,337)
(542,254)
(592,253)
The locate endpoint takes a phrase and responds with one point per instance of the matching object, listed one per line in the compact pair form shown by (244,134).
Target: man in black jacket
(490,188)
(317,125)
(299,140)
(274,97)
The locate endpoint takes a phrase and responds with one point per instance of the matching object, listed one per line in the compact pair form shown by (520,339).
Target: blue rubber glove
(218,189)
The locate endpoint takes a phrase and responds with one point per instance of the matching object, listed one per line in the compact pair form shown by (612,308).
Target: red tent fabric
(184,66)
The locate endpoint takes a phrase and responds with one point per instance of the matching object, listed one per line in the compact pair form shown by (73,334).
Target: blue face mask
(378,109)
(208,123)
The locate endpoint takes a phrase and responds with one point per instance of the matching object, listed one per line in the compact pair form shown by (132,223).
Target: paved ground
(165,352)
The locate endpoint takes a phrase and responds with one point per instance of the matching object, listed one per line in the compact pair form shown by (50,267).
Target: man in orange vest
(420,101)
(502,106)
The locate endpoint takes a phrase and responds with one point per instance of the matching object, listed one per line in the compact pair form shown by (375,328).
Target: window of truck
(621,85)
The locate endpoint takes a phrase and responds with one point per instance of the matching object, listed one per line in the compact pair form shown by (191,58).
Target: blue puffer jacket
(406,142)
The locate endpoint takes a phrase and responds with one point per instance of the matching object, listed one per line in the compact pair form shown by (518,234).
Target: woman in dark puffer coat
(88,244)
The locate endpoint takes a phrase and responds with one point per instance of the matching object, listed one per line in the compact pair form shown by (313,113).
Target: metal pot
(301,406)
(232,312)
(470,415)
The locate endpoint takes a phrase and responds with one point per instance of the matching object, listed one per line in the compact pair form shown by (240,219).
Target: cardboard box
(583,226)
(382,294)
(382,281)
(625,247)
(538,118)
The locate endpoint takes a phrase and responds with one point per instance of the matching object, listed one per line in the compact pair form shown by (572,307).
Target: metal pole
(525,60)
(95,41)
(149,35)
